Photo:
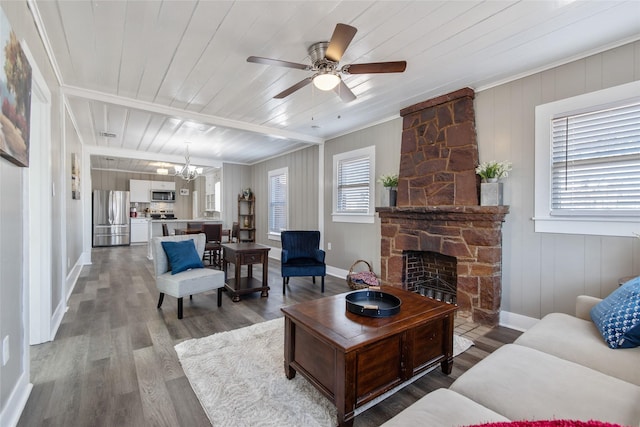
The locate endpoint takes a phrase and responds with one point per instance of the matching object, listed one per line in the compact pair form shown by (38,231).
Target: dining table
(182,231)
(225,232)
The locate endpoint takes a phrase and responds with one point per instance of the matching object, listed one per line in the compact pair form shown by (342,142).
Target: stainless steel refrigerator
(110,218)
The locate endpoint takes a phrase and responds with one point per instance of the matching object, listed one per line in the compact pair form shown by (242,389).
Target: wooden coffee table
(353,359)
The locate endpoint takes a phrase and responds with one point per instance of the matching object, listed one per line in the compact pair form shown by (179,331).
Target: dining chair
(196,225)
(213,244)
(234,232)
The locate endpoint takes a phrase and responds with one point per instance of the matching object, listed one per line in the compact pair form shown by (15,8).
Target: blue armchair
(301,256)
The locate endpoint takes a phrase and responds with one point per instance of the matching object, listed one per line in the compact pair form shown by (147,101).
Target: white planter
(491,194)
(388,196)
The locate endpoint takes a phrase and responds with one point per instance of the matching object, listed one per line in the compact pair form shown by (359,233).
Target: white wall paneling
(545,272)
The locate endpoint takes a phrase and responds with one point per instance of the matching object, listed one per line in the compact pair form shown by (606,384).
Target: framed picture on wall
(75,177)
(15,90)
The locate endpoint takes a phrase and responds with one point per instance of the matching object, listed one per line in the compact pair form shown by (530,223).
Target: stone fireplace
(438,241)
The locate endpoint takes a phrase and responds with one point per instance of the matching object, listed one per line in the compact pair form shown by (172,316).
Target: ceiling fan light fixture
(326,81)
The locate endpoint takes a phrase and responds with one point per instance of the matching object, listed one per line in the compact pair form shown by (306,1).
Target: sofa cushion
(182,255)
(549,423)
(190,282)
(580,341)
(618,316)
(522,383)
(443,408)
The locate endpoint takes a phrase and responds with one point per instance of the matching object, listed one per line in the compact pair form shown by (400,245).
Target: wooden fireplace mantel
(446,213)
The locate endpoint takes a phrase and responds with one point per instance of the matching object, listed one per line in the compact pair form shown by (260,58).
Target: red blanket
(551,423)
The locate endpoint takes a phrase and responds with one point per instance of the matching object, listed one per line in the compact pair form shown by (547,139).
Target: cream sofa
(560,368)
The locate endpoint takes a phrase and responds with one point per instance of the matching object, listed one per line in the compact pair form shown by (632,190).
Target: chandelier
(188,172)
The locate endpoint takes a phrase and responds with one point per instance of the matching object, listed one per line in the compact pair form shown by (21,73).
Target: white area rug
(239,379)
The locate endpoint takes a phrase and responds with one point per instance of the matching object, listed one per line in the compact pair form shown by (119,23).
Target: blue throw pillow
(618,316)
(182,255)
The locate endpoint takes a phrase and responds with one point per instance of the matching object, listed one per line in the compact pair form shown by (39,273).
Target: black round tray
(373,303)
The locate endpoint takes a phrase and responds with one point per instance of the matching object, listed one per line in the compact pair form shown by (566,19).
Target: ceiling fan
(324,61)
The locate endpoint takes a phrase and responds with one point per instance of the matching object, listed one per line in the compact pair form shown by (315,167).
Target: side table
(247,254)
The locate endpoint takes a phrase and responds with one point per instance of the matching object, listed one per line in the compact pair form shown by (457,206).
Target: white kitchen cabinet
(163,185)
(139,230)
(139,191)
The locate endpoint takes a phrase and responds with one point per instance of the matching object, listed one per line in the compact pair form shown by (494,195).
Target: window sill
(597,226)
(273,236)
(354,218)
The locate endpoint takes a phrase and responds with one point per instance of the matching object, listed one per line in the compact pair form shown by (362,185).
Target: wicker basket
(353,285)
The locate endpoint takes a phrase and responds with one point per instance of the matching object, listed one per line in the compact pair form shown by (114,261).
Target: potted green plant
(492,171)
(390,181)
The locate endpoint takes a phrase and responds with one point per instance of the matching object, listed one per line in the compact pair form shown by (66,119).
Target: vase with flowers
(490,189)
(390,181)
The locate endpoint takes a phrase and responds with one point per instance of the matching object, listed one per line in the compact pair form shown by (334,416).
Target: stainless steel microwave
(163,196)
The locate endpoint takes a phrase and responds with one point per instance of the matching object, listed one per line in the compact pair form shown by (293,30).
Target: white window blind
(596,162)
(353,185)
(278,203)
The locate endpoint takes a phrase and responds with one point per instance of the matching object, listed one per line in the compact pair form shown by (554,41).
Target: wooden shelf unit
(246,219)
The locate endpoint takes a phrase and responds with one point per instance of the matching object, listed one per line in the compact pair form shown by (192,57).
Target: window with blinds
(353,185)
(278,201)
(596,161)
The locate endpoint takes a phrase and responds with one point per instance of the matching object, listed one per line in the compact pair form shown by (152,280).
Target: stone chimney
(439,152)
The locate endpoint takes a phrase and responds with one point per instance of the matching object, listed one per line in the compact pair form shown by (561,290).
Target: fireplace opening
(431,274)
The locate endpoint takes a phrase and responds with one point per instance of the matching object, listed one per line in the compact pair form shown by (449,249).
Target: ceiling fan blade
(294,88)
(342,36)
(344,92)
(375,67)
(277,62)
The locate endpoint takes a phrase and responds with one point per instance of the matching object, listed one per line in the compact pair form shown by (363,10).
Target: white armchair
(187,282)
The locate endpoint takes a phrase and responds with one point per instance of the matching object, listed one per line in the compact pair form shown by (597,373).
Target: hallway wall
(14,232)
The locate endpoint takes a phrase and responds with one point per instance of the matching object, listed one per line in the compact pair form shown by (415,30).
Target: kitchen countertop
(185,220)
(155,227)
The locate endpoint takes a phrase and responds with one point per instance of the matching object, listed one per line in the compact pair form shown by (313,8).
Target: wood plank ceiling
(160,73)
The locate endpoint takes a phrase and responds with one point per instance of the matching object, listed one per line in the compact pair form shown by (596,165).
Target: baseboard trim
(85,258)
(70,284)
(17,401)
(516,321)
(337,272)
(72,277)
(56,318)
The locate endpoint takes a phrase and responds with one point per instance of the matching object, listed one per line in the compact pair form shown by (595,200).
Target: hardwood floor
(112,362)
